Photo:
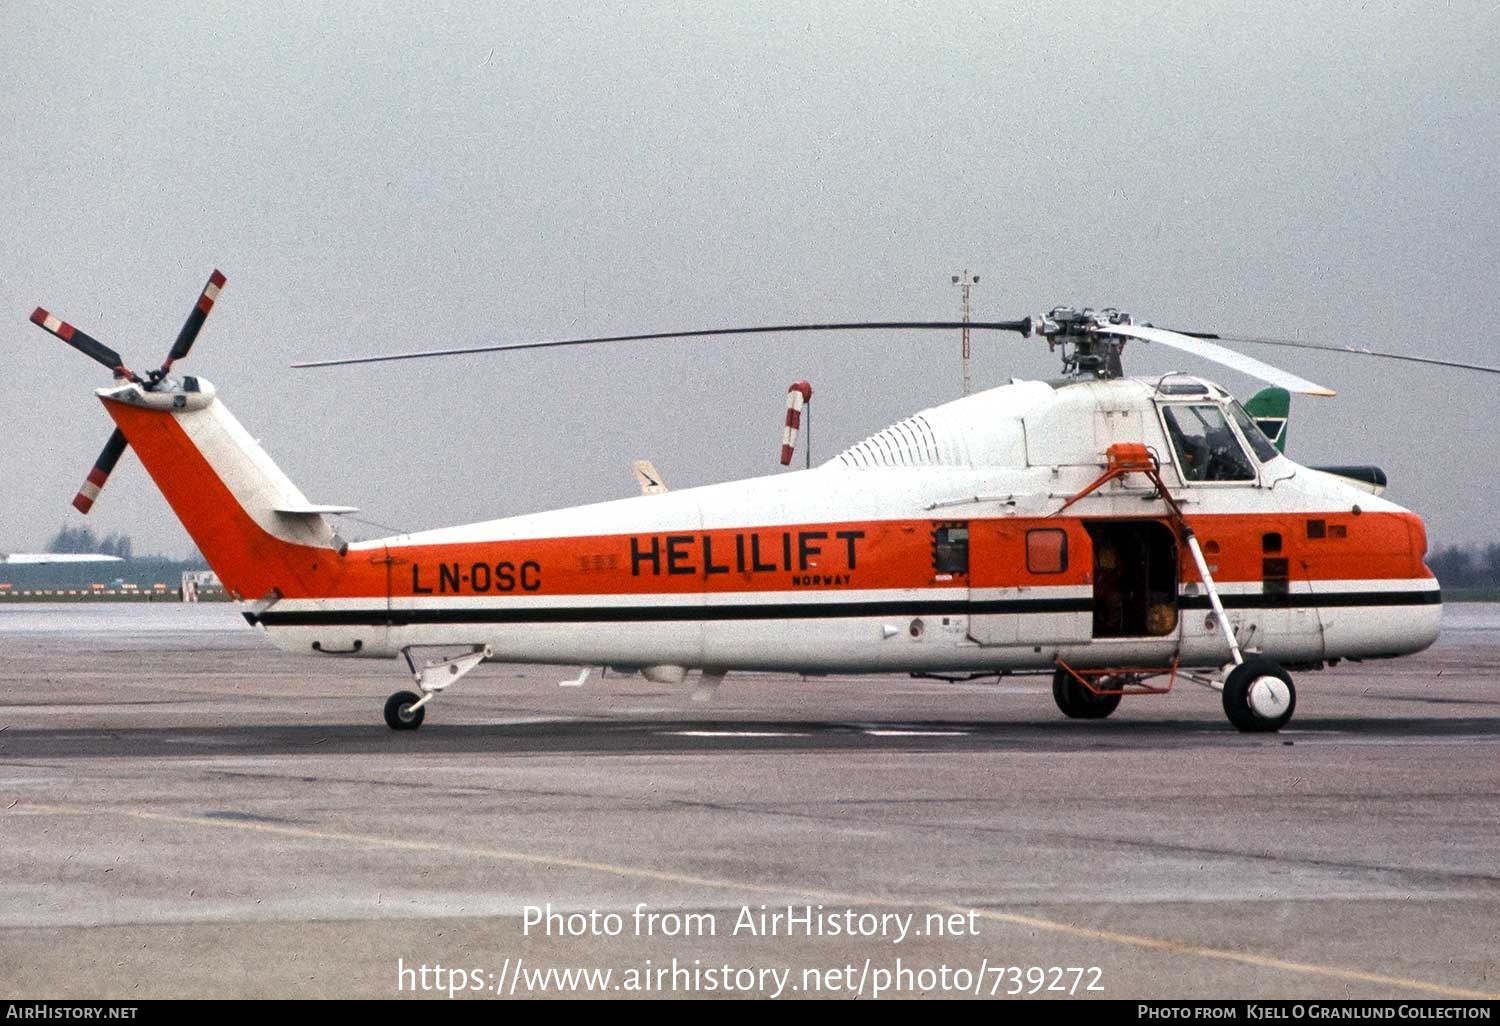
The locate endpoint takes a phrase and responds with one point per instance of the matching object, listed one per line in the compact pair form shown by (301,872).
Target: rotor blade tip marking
(50,322)
(86,496)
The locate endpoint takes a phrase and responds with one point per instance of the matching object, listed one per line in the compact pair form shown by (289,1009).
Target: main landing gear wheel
(1077,701)
(1259,696)
(399,714)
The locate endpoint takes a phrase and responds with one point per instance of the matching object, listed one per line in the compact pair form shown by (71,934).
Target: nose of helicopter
(1418,534)
(1430,615)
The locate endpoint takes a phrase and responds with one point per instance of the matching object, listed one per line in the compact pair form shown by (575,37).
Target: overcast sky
(377,179)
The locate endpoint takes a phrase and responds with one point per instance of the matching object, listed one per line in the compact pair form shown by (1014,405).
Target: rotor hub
(1087,353)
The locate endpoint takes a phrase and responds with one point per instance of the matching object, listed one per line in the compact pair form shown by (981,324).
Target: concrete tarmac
(195,814)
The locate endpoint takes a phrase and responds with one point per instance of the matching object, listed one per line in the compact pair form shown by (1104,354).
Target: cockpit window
(1264,448)
(1206,447)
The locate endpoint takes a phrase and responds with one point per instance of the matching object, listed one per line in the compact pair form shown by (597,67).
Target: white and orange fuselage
(935,545)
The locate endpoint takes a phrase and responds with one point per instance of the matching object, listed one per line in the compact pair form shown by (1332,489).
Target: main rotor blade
(1356,350)
(82,341)
(1026,326)
(113,450)
(195,319)
(1199,346)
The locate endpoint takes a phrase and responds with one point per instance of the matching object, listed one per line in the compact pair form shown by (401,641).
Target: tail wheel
(1076,701)
(399,714)
(1259,696)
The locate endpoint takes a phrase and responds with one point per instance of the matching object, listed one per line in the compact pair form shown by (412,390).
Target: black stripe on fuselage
(1327,600)
(663,614)
(793,610)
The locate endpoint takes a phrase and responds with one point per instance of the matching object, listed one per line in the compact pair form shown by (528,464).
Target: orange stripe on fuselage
(815,557)
(883,555)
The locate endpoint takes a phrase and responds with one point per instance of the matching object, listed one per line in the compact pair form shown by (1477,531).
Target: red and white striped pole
(797,398)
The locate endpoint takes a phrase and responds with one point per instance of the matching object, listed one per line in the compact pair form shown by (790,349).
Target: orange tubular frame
(1139,687)
(1131,458)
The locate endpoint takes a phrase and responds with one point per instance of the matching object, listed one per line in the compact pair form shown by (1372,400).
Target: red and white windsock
(797,398)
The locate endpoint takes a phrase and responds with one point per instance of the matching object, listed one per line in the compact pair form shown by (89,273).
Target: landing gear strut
(404,710)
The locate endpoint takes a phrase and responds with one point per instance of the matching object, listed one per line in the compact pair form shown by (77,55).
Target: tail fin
(255,528)
(1271,409)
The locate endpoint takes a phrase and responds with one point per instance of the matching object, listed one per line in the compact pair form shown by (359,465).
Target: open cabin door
(1135,575)
(1029,584)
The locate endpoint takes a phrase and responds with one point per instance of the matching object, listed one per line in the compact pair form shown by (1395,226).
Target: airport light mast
(966,281)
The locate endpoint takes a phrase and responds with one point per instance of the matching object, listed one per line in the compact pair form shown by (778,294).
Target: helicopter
(1116,533)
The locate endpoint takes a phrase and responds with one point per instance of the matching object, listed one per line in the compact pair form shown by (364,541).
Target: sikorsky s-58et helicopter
(1117,533)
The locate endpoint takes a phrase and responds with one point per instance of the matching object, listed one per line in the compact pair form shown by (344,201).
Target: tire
(1078,702)
(398,714)
(1259,696)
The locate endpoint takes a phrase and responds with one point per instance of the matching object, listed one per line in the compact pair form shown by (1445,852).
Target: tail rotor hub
(154,381)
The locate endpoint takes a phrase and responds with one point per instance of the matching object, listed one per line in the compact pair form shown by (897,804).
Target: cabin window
(1046,551)
(950,548)
(1206,447)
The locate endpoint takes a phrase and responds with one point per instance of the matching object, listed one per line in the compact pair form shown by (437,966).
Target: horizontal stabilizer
(310,509)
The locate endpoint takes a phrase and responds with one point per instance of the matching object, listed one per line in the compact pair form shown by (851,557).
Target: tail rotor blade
(82,341)
(194,323)
(113,450)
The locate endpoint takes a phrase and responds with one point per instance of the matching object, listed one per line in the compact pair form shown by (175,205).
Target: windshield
(1207,449)
(1264,448)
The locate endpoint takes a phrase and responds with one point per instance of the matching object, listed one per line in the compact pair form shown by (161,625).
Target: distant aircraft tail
(1271,409)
